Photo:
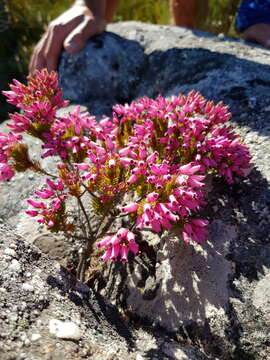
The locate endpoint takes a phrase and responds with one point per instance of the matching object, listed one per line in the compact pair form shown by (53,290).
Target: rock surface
(53,317)
(214,296)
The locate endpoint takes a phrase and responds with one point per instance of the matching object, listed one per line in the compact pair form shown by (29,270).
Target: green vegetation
(23,21)
(151,11)
(220,17)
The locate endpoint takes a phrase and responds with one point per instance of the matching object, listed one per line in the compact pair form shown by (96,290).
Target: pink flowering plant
(144,167)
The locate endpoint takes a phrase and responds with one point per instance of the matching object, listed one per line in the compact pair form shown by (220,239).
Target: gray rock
(178,60)
(64,329)
(14,266)
(29,326)
(106,72)
(10,252)
(213,297)
(27,287)
(57,321)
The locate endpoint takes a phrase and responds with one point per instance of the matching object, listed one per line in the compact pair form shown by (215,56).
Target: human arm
(71,30)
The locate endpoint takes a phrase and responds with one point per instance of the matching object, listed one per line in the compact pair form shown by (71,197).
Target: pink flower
(6,172)
(37,205)
(112,163)
(152,158)
(189,169)
(32,213)
(117,246)
(152,196)
(195,231)
(132,179)
(132,207)
(82,166)
(45,194)
(195,181)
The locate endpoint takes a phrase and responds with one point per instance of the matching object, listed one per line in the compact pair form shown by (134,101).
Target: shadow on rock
(189,290)
(96,309)
(242,84)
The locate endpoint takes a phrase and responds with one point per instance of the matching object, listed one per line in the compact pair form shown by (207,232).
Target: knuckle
(55,27)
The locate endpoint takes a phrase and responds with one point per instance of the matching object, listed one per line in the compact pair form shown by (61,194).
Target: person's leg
(183,12)
(111,6)
(188,13)
(259,33)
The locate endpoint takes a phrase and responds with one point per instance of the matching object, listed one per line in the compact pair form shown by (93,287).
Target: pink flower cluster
(51,214)
(118,245)
(7,144)
(159,152)
(39,101)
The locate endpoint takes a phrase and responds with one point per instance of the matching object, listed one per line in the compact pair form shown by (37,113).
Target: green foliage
(27,20)
(220,17)
(151,11)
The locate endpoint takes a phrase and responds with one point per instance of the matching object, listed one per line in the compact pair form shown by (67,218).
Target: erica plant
(145,167)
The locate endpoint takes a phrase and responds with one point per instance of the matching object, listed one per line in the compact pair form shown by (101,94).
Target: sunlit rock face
(213,296)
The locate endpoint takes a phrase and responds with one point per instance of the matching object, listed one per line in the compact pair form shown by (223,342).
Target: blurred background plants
(23,21)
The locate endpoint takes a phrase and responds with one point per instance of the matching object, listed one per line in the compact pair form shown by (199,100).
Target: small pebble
(221,36)
(35,337)
(26,342)
(27,287)
(64,330)
(10,252)
(14,266)
(139,357)
(23,305)
(3,290)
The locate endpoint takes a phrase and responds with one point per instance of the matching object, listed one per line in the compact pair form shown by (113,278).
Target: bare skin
(184,12)
(86,18)
(259,33)
(71,30)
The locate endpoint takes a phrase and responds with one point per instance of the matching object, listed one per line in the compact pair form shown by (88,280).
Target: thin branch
(86,217)
(107,212)
(38,169)
(107,226)
(90,192)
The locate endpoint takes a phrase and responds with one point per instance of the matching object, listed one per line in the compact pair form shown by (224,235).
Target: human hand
(70,30)
(259,33)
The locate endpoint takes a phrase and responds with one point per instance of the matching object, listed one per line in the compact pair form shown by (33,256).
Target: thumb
(77,39)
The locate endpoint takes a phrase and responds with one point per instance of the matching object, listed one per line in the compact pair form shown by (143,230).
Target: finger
(37,61)
(53,47)
(77,39)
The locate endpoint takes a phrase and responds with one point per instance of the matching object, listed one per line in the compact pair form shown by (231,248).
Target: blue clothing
(252,12)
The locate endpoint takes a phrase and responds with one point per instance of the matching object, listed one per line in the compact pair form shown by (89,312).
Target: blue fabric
(252,12)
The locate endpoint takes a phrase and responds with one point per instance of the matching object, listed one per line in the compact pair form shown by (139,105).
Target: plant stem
(86,217)
(38,169)
(107,226)
(90,192)
(83,260)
